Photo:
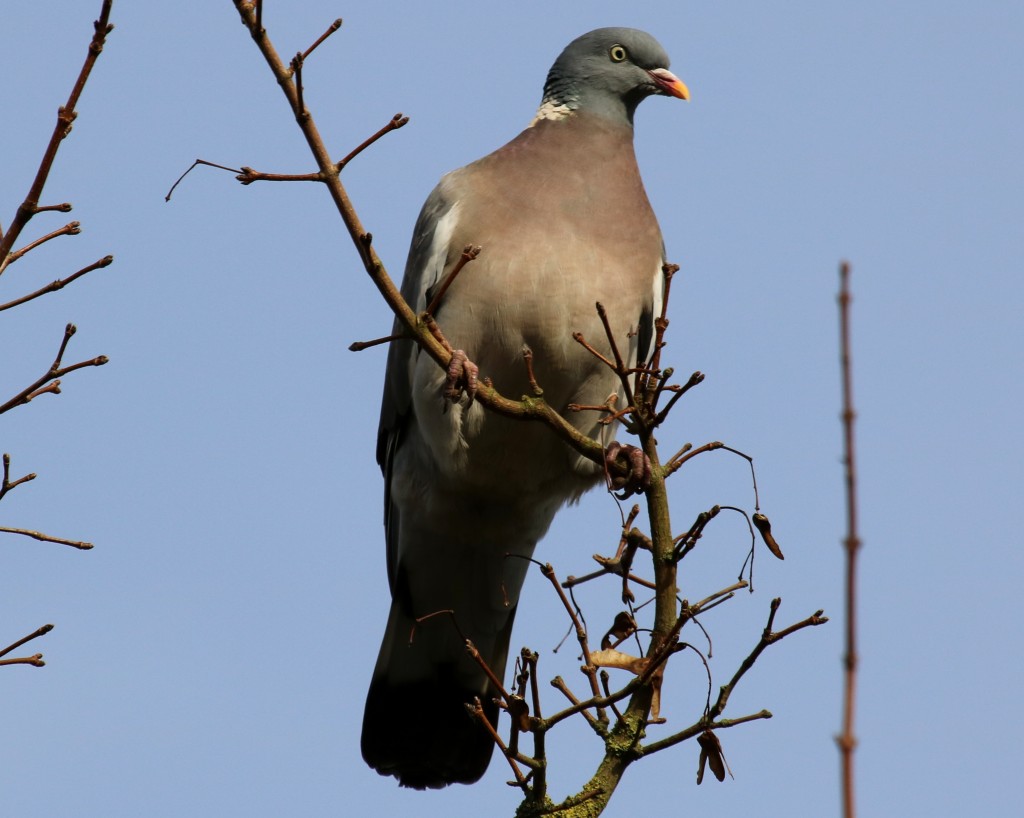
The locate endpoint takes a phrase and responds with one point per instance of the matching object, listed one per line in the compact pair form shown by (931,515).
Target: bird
(563,221)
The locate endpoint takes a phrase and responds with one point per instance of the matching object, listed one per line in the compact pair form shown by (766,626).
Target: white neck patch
(550,109)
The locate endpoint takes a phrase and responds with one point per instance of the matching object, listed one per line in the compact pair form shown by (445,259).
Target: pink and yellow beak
(669,84)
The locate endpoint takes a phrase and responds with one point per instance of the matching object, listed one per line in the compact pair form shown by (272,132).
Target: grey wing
(428,257)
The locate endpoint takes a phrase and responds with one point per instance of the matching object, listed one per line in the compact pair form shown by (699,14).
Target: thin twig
(56,371)
(717,597)
(477,711)
(695,379)
(399,120)
(531,377)
(59,283)
(847,740)
(700,727)
(582,341)
(359,346)
(70,229)
(246,175)
(191,167)
(688,453)
(35,661)
(9,484)
(767,638)
(668,270)
(581,632)
(330,30)
(65,116)
(469,253)
(37,535)
(300,105)
(559,684)
(620,364)
(688,541)
(63,207)
(45,629)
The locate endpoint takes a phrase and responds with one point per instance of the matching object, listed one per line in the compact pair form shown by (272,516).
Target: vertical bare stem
(847,741)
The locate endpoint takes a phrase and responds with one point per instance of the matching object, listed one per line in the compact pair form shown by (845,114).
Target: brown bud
(762,525)
(519,712)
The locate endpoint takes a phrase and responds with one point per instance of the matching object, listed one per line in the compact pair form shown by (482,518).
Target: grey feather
(564,221)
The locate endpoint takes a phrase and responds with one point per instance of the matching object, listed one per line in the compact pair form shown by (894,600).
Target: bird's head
(608,72)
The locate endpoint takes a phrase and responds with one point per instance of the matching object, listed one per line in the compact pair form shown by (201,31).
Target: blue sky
(212,652)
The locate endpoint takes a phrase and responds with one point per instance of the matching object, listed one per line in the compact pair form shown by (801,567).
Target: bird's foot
(463,376)
(638,479)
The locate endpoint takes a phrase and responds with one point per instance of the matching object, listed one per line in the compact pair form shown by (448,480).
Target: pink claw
(463,375)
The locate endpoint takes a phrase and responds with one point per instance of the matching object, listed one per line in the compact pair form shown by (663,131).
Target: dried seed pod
(711,753)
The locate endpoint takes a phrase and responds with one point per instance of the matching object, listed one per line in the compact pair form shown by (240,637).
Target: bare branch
(695,379)
(688,453)
(59,283)
(589,669)
(696,729)
(847,740)
(191,167)
(397,121)
(45,629)
(70,229)
(469,253)
(35,661)
(63,207)
(49,382)
(477,711)
(359,346)
(36,535)
(330,30)
(620,364)
(65,117)
(9,484)
(688,541)
(767,638)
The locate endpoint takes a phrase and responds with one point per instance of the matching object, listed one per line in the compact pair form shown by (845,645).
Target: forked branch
(49,381)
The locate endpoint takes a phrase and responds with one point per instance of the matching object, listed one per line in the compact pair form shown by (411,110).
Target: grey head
(608,72)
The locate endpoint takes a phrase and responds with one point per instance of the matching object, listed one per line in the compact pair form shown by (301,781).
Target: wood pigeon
(564,221)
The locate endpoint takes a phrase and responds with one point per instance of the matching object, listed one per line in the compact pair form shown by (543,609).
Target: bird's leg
(463,375)
(638,480)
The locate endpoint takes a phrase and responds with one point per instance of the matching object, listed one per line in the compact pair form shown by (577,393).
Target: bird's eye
(617,53)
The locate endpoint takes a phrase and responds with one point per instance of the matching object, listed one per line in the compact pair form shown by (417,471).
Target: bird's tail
(416,725)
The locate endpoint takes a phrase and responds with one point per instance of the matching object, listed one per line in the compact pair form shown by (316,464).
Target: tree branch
(37,535)
(65,117)
(847,740)
(45,629)
(48,382)
(59,283)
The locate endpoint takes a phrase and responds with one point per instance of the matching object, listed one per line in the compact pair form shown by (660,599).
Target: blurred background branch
(49,381)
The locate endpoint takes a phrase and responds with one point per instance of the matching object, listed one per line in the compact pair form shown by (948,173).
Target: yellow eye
(617,53)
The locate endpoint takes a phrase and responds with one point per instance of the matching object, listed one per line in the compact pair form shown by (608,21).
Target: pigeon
(563,221)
